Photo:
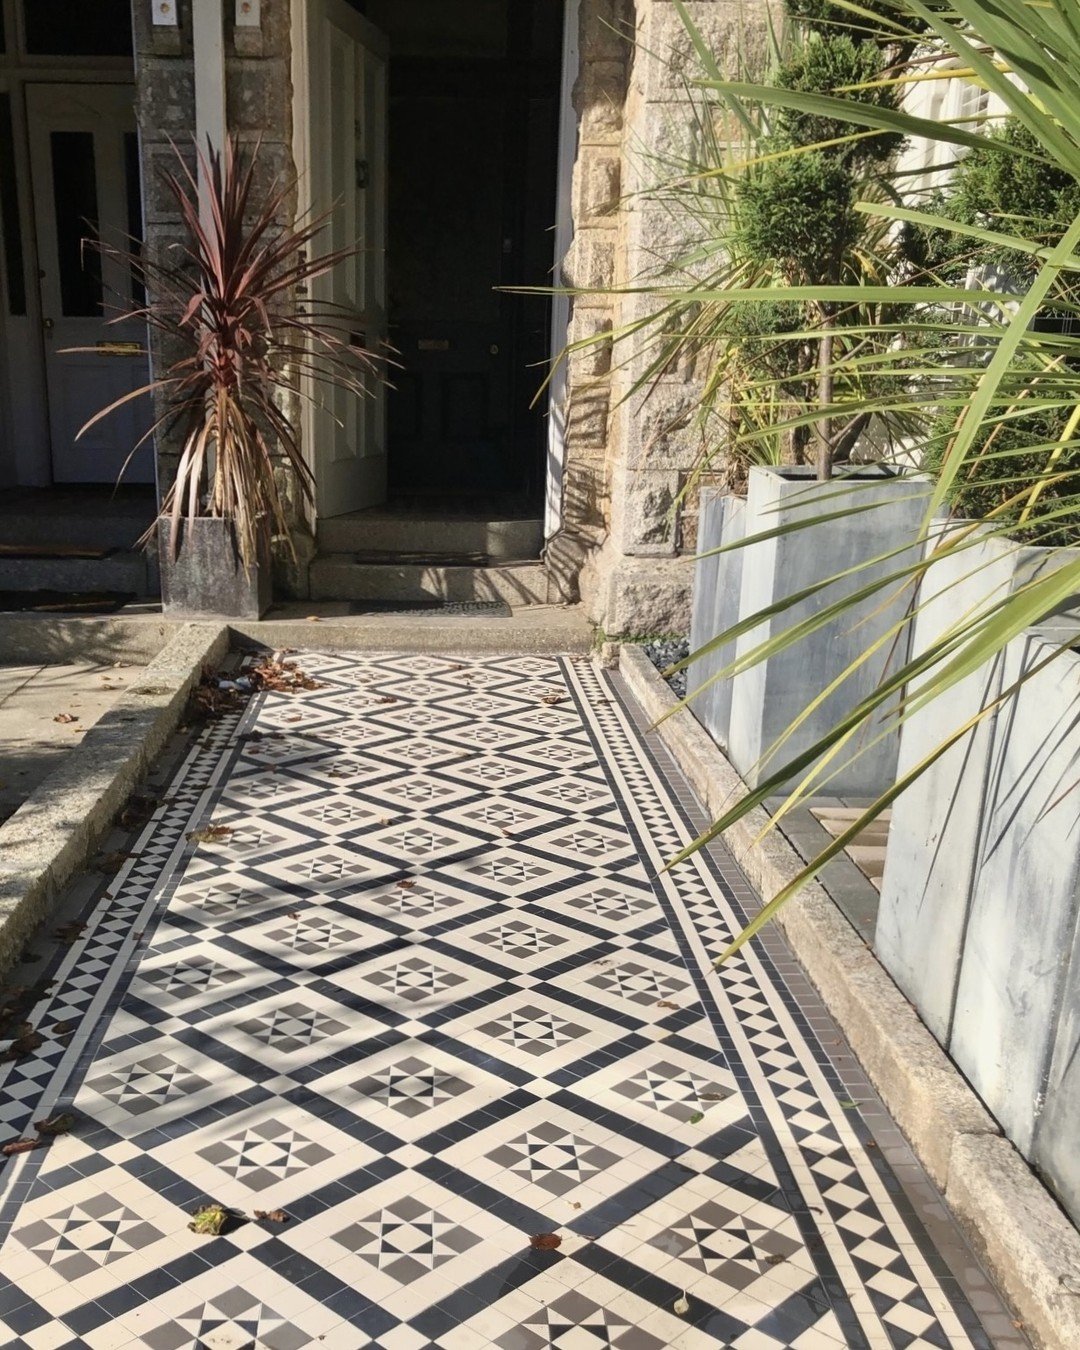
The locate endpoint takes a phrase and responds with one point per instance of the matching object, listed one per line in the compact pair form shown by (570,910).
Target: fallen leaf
(712,1096)
(54,1125)
(62,1028)
(65,717)
(774,1258)
(210,834)
(69,933)
(293,717)
(209,1220)
(545,1242)
(387,698)
(272,1215)
(112,862)
(407,883)
(681,1306)
(696,1118)
(21,1146)
(575,1204)
(663,1003)
(314,618)
(27,1041)
(552,699)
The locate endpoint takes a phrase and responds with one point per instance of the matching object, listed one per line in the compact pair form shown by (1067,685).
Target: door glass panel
(77,27)
(75,196)
(9,214)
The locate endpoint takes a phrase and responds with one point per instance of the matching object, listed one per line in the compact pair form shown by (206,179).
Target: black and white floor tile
(431,995)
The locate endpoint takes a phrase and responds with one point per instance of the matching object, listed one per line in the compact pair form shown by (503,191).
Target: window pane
(75,195)
(9,213)
(77,27)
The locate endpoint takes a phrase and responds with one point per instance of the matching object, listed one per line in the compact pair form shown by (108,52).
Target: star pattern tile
(432,998)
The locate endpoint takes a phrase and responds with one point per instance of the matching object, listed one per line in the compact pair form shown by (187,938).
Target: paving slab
(394,975)
(32,697)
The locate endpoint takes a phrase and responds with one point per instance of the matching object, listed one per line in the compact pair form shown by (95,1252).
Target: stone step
(87,527)
(337,576)
(401,532)
(123,570)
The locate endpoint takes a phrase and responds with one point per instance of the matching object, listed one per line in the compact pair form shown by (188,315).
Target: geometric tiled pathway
(430,994)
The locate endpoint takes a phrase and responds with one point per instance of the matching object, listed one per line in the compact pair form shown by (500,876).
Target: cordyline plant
(233,300)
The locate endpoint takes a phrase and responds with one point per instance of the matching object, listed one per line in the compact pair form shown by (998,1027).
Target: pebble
(664,652)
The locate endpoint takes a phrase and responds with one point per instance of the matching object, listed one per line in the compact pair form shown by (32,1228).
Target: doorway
(84,170)
(473,121)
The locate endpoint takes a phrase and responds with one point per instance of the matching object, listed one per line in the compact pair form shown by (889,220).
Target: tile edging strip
(1012,1221)
(55,831)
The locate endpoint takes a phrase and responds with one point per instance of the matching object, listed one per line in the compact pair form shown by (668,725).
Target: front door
(342,162)
(84,164)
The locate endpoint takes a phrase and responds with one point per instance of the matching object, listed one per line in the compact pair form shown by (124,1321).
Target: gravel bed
(664,652)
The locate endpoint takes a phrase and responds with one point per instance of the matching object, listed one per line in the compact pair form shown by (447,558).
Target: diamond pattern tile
(431,999)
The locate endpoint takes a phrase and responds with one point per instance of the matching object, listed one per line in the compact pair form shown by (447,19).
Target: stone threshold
(1011,1220)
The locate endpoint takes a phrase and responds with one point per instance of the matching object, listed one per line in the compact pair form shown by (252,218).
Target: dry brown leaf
(663,1003)
(545,1242)
(51,1126)
(407,883)
(210,834)
(552,699)
(272,1215)
(69,932)
(112,862)
(21,1146)
(65,717)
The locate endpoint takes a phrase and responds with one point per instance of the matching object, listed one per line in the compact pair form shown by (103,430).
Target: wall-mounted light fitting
(247,14)
(165,13)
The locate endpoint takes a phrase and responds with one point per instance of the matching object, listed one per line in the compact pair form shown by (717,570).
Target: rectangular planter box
(767,698)
(1020,935)
(207,579)
(717,588)
(934,835)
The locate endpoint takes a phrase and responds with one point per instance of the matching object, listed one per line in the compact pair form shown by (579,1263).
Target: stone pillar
(638,579)
(258,110)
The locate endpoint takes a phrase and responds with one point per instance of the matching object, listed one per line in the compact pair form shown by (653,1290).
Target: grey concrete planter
(933,839)
(716,594)
(207,579)
(767,698)
(981,894)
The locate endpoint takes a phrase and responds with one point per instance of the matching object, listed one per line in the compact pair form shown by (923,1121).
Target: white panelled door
(341,155)
(84,165)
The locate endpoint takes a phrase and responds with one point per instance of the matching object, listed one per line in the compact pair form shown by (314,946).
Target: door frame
(24,407)
(563,238)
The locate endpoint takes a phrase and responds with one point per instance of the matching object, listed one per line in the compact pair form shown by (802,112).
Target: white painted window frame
(564,237)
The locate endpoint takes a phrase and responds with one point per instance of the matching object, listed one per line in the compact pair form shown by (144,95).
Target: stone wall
(637,579)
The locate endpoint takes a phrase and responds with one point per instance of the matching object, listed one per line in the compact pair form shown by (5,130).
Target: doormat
(488,609)
(64,602)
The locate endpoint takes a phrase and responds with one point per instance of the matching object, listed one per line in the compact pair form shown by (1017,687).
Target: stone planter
(207,579)
(980,901)
(767,698)
(933,838)
(715,608)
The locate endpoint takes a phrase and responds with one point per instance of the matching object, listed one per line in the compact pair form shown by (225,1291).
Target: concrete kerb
(54,832)
(1012,1221)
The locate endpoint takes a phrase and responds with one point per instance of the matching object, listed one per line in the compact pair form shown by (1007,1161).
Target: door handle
(48,325)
